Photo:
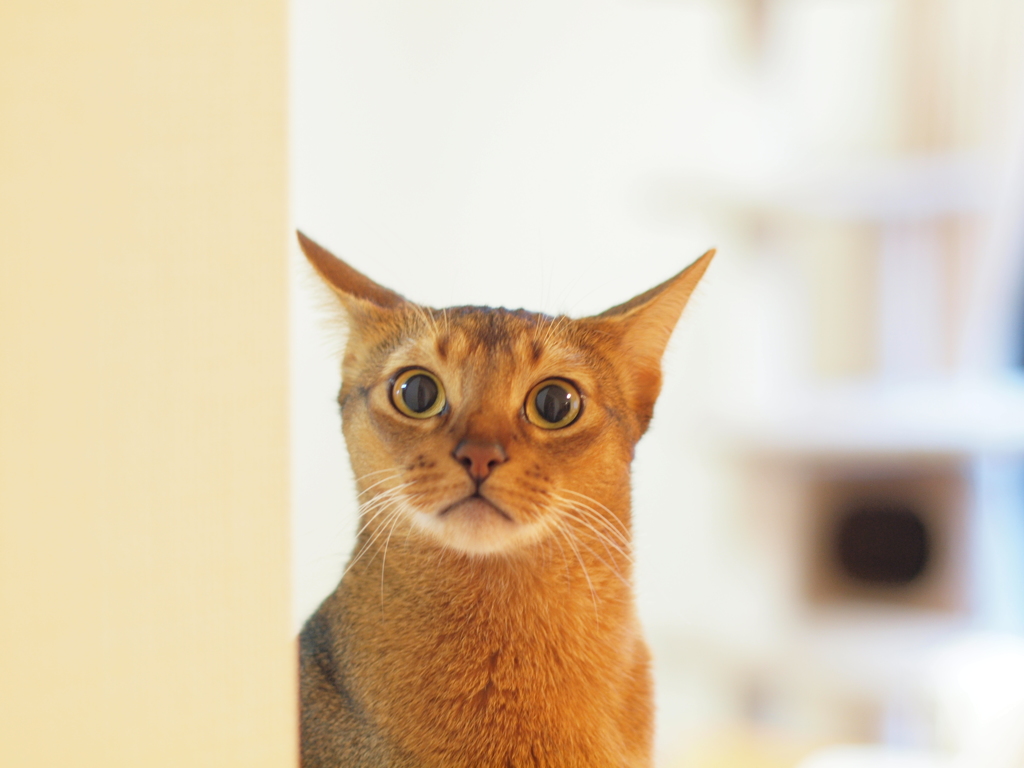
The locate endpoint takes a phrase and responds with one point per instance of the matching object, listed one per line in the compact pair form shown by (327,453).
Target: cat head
(488,429)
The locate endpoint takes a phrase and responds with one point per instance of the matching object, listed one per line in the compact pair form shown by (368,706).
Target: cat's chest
(488,666)
(487,651)
(499,698)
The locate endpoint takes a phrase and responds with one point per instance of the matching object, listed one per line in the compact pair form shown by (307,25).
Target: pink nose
(479,458)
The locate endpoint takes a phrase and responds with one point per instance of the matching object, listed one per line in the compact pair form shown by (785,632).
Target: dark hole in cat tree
(888,529)
(882,542)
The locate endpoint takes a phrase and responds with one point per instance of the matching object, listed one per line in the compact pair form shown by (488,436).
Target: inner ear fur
(353,288)
(642,327)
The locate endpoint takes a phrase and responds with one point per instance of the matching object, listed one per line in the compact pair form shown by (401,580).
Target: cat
(486,617)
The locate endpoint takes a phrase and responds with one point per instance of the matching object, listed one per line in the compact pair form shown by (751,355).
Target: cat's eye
(418,393)
(553,404)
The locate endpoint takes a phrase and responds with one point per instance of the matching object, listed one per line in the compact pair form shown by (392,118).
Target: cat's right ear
(359,295)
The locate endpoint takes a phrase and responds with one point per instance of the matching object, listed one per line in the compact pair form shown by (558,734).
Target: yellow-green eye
(553,404)
(418,393)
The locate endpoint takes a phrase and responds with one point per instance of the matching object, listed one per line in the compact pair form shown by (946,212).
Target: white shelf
(952,416)
(873,189)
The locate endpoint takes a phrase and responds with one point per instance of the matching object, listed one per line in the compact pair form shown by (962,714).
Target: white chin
(474,526)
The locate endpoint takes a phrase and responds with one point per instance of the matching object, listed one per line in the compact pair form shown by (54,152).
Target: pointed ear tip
(306,242)
(699,265)
(312,249)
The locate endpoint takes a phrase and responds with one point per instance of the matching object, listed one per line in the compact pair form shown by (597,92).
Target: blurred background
(829,508)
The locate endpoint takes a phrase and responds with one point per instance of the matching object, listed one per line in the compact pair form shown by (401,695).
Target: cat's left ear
(641,328)
(361,297)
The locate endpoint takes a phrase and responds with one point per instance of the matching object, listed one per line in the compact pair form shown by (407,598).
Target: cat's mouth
(475,506)
(476,525)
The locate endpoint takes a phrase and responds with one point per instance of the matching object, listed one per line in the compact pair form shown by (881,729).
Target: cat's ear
(359,295)
(641,328)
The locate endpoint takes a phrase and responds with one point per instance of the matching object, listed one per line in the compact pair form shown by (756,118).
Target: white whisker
(565,560)
(614,570)
(371,487)
(384,559)
(569,538)
(387,504)
(590,517)
(376,472)
(620,527)
(605,540)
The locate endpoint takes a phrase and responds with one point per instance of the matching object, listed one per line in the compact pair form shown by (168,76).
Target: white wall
(559,156)
(479,154)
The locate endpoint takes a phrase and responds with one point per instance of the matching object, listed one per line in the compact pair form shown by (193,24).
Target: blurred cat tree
(902,245)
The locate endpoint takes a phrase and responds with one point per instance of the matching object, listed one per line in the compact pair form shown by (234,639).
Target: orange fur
(479,638)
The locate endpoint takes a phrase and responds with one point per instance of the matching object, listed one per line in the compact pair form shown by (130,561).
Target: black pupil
(419,393)
(553,403)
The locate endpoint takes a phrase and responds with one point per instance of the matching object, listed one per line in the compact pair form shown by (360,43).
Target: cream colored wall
(144,583)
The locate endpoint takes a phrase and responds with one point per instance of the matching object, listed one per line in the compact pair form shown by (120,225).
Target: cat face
(485,430)
(488,426)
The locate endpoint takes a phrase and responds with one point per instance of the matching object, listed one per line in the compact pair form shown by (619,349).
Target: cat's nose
(479,457)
